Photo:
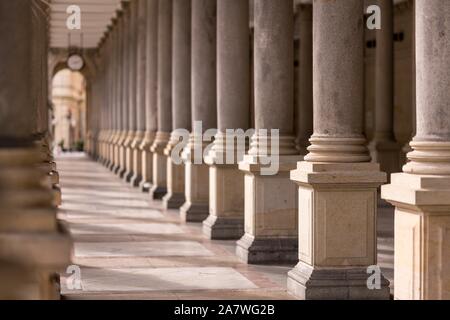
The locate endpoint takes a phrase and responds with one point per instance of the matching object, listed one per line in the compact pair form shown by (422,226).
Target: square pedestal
(159,188)
(147,171)
(196,207)
(137,167)
(270,214)
(337,231)
(129,164)
(422,235)
(116,165)
(123,161)
(226,198)
(175,197)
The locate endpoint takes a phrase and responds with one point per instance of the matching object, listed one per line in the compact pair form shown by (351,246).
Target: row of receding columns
(33,246)
(319,206)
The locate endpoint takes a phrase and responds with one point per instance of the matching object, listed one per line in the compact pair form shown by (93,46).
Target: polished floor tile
(141,249)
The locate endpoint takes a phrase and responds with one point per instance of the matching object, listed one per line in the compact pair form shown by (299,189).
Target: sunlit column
(226,181)
(337,183)
(151,79)
(159,188)
(270,197)
(130,143)
(204,101)
(124,140)
(421,193)
(181,100)
(140,92)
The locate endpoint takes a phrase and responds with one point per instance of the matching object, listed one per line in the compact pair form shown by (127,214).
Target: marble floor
(128,247)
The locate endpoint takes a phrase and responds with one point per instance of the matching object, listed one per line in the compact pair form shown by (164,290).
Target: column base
(271,219)
(115,169)
(147,169)
(226,200)
(159,188)
(173,200)
(422,235)
(145,186)
(337,230)
(252,250)
(136,180)
(175,196)
(128,176)
(194,212)
(223,228)
(121,173)
(157,193)
(309,283)
(111,165)
(129,173)
(196,207)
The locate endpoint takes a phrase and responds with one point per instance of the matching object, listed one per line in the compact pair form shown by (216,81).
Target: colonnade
(168,65)
(320,206)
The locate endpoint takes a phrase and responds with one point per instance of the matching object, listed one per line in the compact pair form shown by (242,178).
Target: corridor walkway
(128,247)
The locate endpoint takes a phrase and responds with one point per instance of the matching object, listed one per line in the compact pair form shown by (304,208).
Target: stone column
(140,99)
(151,113)
(118,95)
(132,89)
(270,197)
(107,100)
(112,92)
(196,207)
(101,138)
(33,247)
(226,181)
(421,193)
(383,148)
(337,184)
(159,188)
(104,115)
(123,142)
(305,78)
(407,147)
(181,100)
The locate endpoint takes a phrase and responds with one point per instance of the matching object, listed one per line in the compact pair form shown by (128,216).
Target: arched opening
(69,101)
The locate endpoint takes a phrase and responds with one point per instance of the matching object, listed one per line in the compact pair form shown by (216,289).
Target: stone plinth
(137,158)
(226,198)
(196,207)
(147,162)
(422,235)
(337,231)
(270,213)
(159,187)
(175,197)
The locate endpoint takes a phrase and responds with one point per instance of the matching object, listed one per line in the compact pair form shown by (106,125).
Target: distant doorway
(68,111)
